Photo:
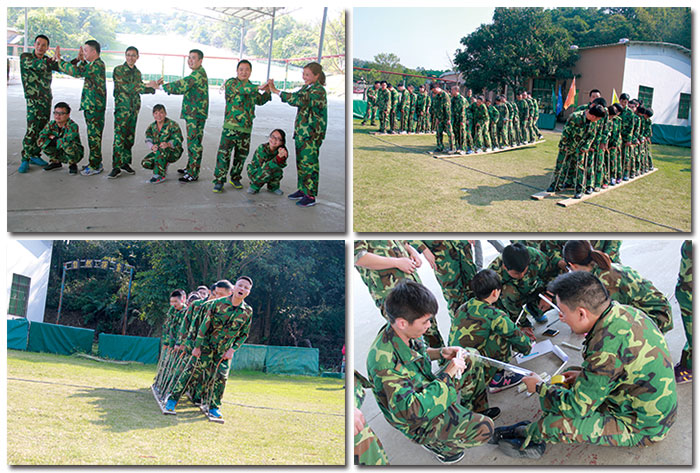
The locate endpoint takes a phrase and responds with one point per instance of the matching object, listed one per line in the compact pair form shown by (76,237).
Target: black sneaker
(236,183)
(513,448)
(307,201)
(182,171)
(127,169)
(218,187)
(492,412)
(73,169)
(552,188)
(508,432)
(445,459)
(296,195)
(114,174)
(589,190)
(187,178)
(53,165)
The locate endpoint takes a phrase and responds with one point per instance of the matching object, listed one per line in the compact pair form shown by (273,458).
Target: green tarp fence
(51,338)
(670,135)
(547,121)
(359,108)
(17,332)
(292,360)
(249,357)
(128,348)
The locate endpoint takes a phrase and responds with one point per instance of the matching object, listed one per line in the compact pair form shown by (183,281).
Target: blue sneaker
(24,167)
(88,171)
(170,405)
(214,412)
(38,162)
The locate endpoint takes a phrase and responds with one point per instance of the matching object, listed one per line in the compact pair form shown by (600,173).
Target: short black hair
(94,44)
(580,289)
(597,110)
(245,278)
(617,107)
(593,91)
(244,61)
(132,48)
(42,36)
(62,105)
(384,82)
(599,101)
(178,293)
(515,257)
(223,284)
(625,97)
(198,53)
(484,282)
(641,110)
(649,112)
(410,301)
(159,106)
(377,82)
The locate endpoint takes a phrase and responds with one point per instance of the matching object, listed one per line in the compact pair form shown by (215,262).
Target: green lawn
(65,410)
(398,187)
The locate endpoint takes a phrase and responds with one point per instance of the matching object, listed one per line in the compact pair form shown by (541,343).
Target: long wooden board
(458,155)
(376,133)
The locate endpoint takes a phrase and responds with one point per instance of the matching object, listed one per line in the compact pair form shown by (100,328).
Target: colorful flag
(614,98)
(560,104)
(571,96)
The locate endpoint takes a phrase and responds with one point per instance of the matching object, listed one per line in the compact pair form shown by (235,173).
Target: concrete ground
(55,201)
(656,260)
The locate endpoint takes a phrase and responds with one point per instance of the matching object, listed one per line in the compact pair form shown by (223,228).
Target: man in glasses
(60,140)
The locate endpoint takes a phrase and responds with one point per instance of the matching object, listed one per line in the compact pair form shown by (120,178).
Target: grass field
(398,187)
(65,410)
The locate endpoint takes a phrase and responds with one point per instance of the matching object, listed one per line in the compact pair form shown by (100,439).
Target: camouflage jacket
(454,260)
(170,325)
(494,114)
(414,99)
(421,103)
(481,114)
(170,133)
(459,109)
(383,99)
(503,113)
(128,87)
(523,109)
(264,157)
(408,393)
(372,96)
(395,99)
(628,287)
(611,247)
(513,112)
(312,111)
(36,77)
(361,383)
(94,96)
(241,99)
(195,91)
(405,101)
(66,136)
(442,106)
(484,327)
(603,128)
(615,138)
(578,133)
(627,128)
(629,377)
(685,275)
(224,326)
(552,251)
(187,332)
(381,281)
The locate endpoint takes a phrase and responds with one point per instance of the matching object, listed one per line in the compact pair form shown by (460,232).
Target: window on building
(19,295)
(646,95)
(542,91)
(684,107)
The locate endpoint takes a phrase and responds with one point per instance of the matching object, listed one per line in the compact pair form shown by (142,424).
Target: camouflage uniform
(494,115)
(423,405)
(412,122)
(241,99)
(535,113)
(598,168)
(628,287)
(128,88)
(459,123)
(502,126)
(36,82)
(625,394)
(684,295)
(93,102)
(266,167)
(422,113)
(443,118)
(627,136)
(524,112)
(368,448)
(394,115)
(384,106)
(614,151)
(455,269)
(188,335)
(195,110)
(576,139)
(309,132)
(552,251)
(159,160)
(489,330)
(405,108)
(371,112)
(515,135)
(65,147)
(610,247)
(482,140)
(381,282)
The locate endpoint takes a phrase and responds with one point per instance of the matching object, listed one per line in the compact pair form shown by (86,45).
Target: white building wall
(665,69)
(30,258)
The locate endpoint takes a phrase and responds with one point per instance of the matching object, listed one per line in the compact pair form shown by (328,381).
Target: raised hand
(57,54)
(81,55)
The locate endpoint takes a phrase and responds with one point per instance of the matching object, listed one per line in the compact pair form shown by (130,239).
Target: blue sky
(419,36)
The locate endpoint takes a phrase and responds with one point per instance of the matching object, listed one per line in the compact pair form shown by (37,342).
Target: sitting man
(60,140)
(624,395)
(423,405)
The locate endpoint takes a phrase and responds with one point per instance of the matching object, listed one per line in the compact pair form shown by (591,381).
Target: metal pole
(128,297)
(272,34)
(26,30)
(240,54)
(323,33)
(286,73)
(60,298)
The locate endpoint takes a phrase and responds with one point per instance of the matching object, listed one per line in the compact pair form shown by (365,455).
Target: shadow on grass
(385,148)
(508,191)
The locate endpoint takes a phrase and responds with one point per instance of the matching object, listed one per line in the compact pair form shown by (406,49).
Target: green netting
(127,348)
(250,357)
(17,332)
(670,135)
(547,121)
(359,108)
(292,360)
(51,338)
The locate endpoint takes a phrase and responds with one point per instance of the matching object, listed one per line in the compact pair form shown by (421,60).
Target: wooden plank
(541,195)
(205,411)
(161,405)
(376,133)
(571,201)
(527,145)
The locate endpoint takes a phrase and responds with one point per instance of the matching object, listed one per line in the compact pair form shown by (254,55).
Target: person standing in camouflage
(627,135)
(422,111)
(684,295)
(494,116)
(624,395)
(241,98)
(60,140)
(371,112)
(223,330)
(624,284)
(382,264)
(395,118)
(458,104)
(93,100)
(442,110)
(514,129)
(164,139)
(309,130)
(404,108)
(383,106)
(523,113)
(422,405)
(368,448)
(36,69)
(482,140)
(195,110)
(412,109)
(128,88)
(614,145)
(268,163)
(503,124)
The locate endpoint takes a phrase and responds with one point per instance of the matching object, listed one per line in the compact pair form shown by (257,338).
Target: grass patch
(398,187)
(71,411)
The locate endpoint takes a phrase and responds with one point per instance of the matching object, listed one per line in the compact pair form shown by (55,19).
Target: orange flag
(571,95)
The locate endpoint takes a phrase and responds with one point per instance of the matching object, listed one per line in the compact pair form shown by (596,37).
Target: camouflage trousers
(482,139)
(239,142)
(412,120)
(213,373)
(307,165)
(69,155)
(124,130)
(459,131)
(368,448)
(524,130)
(444,126)
(535,131)
(158,160)
(268,173)
(370,114)
(515,135)
(38,115)
(596,168)
(560,169)
(685,301)
(383,120)
(502,139)
(95,122)
(455,284)
(615,159)
(494,133)
(628,160)
(405,119)
(423,123)
(195,133)
(394,118)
